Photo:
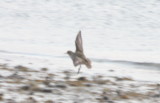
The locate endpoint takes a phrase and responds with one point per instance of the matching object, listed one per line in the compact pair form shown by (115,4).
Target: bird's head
(69,52)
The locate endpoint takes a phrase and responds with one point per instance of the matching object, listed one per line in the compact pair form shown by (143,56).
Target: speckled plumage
(78,56)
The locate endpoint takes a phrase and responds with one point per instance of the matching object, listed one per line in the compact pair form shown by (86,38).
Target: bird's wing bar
(78,42)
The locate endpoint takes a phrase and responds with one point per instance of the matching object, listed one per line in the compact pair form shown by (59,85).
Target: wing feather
(77,61)
(78,42)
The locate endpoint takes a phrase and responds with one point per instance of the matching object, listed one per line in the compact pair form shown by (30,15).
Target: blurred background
(46,27)
(120,31)
(120,36)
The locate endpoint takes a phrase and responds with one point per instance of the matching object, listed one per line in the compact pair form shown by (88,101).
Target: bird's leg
(79,69)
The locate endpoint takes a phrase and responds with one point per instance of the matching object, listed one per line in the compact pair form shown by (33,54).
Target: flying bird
(78,56)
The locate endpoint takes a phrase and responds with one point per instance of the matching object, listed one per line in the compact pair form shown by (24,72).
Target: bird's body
(78,56)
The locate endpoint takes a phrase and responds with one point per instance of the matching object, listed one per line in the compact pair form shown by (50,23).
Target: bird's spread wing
(78,42)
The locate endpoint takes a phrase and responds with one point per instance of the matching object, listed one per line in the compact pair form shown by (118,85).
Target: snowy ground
(38,80)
